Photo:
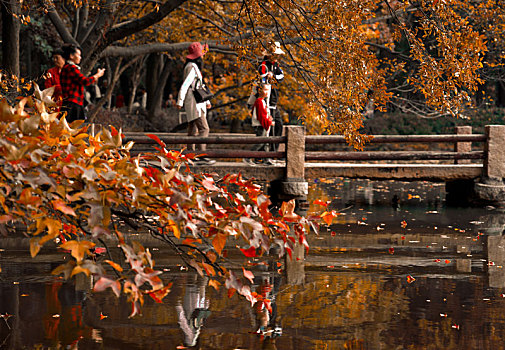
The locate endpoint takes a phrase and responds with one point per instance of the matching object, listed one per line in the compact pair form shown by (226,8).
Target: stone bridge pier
(293,185)
(490,187)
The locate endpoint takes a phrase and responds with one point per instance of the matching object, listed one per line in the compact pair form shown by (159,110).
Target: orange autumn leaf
(116,266)
(209,269)
(328,216)
(78,248)
(231,291)
(320,202)
(215,284)
(219,242)
(61,206)
(190,241)
(161,293)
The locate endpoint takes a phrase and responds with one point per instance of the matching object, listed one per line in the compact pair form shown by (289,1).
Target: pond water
(396,270)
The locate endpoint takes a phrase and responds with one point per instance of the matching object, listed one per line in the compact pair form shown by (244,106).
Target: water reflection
(194,309)
(351,291)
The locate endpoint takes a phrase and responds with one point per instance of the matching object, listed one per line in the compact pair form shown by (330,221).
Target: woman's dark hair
(198,61)
(69,49)
(58,52)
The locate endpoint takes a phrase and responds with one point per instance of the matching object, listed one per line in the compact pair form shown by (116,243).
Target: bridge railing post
(295,152)
(294,186)
(494,162)
(491,188)
(463,146)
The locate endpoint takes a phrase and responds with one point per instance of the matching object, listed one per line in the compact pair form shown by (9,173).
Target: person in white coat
(196,113)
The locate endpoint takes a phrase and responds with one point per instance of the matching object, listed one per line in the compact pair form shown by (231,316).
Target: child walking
(261,120)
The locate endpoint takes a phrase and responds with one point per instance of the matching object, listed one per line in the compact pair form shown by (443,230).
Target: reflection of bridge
(457,162)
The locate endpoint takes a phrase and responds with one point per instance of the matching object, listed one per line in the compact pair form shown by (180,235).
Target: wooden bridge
(462,156)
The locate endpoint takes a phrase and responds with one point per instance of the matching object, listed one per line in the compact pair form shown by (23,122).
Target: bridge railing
(141,139)
(462,146)
(457,139)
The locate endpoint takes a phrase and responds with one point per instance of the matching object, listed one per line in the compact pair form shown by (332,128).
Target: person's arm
(50,81)
(185,87)
(80,78)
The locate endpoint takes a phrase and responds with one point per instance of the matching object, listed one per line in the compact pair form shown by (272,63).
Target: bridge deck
(434,172)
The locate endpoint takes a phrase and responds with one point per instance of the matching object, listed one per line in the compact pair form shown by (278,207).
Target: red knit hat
(196,50)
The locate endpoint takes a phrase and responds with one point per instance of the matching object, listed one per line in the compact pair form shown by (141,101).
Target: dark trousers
(261,132)
(277,127)
(74,111)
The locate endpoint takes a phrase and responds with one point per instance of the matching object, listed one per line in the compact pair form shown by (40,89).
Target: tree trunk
(154,64)
(135,81)
(10,36)
(157,98)
(500,94)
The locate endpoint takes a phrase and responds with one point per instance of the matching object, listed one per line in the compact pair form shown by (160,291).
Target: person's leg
(259,131)
(277,128)
(203,130)
(192,131)
(73,111)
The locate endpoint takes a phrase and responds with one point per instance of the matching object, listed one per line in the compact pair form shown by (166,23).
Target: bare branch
(58,22)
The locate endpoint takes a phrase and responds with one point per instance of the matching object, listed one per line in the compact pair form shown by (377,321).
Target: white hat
(274,49)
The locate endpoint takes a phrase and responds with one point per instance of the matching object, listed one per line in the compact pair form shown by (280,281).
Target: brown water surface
(402,272)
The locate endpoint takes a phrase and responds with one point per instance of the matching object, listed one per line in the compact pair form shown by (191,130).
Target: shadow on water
(396,270)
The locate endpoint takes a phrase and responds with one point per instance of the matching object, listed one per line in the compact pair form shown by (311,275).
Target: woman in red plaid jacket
(73,82)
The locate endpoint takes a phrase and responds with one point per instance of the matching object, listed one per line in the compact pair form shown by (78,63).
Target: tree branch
(145,49)
(58,22)
(142,23)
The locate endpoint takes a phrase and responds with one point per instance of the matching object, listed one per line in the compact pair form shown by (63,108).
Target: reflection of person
(196,113)
(52,77)
(193,311)
(73,82)
(265,308)
(63,321)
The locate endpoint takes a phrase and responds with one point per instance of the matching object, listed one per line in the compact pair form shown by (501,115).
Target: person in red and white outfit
(261,120)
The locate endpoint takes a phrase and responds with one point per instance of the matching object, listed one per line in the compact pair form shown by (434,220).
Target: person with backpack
(261,120)
(271,73)
(196,113)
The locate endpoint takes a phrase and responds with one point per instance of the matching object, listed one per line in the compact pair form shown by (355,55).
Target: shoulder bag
(201,92)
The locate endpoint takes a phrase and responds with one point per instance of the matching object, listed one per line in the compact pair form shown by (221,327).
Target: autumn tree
(67,186)
(425,57)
